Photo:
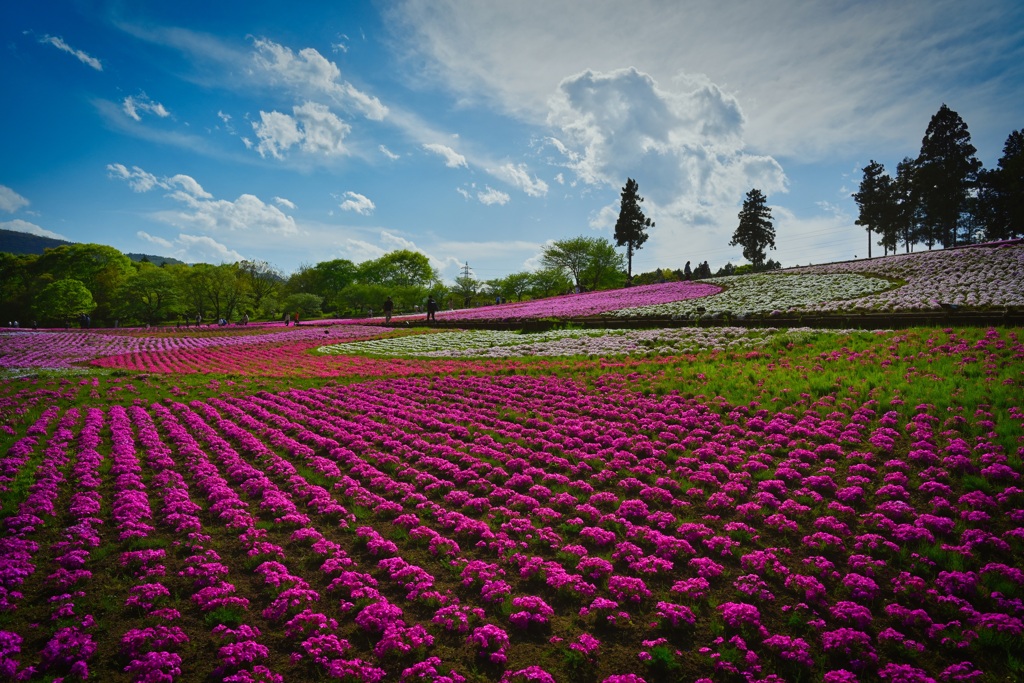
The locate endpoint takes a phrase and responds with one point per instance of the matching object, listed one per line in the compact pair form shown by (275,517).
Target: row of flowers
(587,303)
(65,348)
(590,342)
(834,540)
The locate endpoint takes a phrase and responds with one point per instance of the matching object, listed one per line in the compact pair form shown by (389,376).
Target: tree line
(944,196)
(97,284)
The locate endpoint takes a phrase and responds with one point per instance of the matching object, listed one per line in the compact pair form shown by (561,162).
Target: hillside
(13,242)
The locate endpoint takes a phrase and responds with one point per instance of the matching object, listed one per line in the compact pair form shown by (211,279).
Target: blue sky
(476,132)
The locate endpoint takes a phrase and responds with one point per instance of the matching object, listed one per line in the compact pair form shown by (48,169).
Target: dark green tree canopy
(755,232)
(1002,192)
(946,172)
(876,199)
(631,226)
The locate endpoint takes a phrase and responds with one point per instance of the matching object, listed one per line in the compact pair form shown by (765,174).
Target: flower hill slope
(815,508)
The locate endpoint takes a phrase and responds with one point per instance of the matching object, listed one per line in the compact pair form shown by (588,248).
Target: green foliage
(946,171)
(1001,192)
(63,300)
(306,305)
(755,232)
(151,296)
(592,262)
(631,226)
(401,268)
(876,199)
(101,269)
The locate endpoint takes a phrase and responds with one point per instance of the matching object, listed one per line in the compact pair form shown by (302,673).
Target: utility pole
(465,270)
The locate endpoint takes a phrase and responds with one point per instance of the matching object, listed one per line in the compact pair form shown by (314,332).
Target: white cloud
(311,73)
(358,203)
(518,176)
(18,225)
(684,147)
(452,158)
(464,192)
(812,78)
(203,249)
(277,132)
(199,210)
(188,185)
(138,180)
(491,196)
(246,215)
(286,203)
(605,219)
(314,130)
(388,153)
(11,201)
(81,56)
(154,239)
(142,103)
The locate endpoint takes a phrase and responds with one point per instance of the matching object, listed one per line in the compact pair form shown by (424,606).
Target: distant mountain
(14,242)
(155,260)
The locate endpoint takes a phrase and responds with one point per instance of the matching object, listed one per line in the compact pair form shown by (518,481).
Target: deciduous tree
(62,300)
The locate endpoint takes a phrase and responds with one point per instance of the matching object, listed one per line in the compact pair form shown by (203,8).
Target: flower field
(587,303)
(719,505)
(590,342)
(971,278)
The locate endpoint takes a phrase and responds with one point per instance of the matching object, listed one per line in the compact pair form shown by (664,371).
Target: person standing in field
(389,306)
(687,273)
(431,308)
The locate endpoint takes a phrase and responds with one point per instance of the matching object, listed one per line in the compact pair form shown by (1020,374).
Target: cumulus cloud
(286,203)
(203,249)
(18,225)
(685,145)
(78,54)
(11,201)
(137,179)
(247,214)
(193,248)
(154,239)
(491,196)
(358,203)
(452,158)
(199,210)
(308,71)
(314,129)
(136,106)
(518,176)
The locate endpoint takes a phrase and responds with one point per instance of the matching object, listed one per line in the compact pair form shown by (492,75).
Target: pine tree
(755,232)
(875,199)
(630,228)
(907,209)
(947,170)
(1001,192)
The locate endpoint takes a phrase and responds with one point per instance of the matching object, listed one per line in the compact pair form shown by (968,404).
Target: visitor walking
(389,306)
(431,308)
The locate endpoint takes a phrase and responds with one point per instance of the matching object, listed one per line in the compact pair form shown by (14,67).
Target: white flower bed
(974,277)
(596,342)
(766,292)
